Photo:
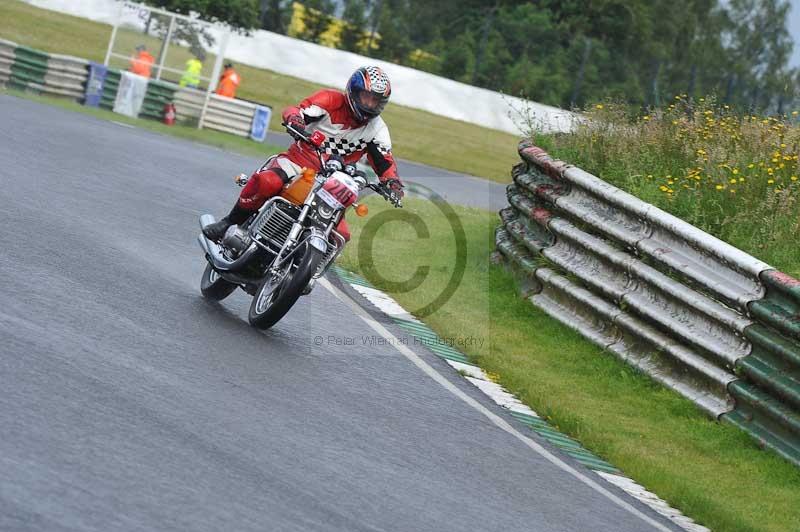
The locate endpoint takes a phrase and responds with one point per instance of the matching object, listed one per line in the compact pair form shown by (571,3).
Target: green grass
(416,135)
(712,472)
(205,136)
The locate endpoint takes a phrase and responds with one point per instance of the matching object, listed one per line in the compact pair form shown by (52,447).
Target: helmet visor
(371,103)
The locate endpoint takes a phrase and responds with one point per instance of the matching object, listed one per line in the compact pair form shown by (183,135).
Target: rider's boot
(216,231)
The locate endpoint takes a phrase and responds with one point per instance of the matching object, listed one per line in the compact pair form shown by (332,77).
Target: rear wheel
(279,292)
(214,287)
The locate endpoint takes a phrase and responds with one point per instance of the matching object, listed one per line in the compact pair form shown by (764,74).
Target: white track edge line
(494,418)
(475,375)
(382,301)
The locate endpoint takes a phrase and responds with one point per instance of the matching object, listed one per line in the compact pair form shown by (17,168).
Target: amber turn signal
(361,209)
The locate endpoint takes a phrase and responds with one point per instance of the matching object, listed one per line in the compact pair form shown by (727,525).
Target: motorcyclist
(352,127)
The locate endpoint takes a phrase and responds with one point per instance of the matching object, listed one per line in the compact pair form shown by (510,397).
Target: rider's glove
(297,122)
(395,185)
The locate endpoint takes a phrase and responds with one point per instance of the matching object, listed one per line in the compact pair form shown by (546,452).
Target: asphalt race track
(128,402)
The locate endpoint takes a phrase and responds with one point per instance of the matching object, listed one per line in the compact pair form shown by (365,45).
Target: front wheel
(214,287)
(279,292)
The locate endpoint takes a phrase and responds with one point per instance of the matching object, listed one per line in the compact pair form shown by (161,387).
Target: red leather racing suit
(329,112)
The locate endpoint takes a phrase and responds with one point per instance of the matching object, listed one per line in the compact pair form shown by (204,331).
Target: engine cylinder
(236,239)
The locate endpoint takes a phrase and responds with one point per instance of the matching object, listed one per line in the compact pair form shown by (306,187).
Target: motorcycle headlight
(324,210)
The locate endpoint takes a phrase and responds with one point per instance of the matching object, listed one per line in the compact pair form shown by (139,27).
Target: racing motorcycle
(282,249)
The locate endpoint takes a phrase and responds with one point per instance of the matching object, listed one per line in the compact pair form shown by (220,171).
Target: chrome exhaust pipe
(214,253)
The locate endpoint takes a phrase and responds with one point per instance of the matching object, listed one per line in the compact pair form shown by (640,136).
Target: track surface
(127,402)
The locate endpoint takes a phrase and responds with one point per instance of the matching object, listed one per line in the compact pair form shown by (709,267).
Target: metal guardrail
(159,93)
(222,114)
(28,69)
(698,315)
(110,88)
(61,75)
(7,56)
(66,76)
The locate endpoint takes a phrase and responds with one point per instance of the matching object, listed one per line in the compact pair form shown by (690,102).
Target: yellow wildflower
(770,181)
(793,178)
(720,187)
(598,106)
(735,171)
(732,181)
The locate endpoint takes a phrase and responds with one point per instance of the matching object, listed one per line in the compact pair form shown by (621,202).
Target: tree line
(567,53)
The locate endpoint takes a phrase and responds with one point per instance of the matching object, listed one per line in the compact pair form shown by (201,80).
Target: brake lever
(391,197)
(298,134)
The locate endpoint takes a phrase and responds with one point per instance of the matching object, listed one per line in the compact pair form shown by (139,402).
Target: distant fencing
(222,114)
(28,69)
(328,66)
(709,321)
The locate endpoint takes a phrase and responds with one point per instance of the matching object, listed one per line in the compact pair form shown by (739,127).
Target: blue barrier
(94,85)
(258,130)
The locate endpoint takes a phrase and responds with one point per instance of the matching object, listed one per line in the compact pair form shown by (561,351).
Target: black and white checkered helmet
(368,91)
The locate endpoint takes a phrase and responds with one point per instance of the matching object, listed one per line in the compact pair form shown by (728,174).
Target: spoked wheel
(279,292)
(214,287)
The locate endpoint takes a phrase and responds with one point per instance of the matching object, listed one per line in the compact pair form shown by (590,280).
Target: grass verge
(217,139)
(737,178)
(712,472)
(416,135)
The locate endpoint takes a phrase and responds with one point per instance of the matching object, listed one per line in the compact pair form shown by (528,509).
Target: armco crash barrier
(110,88)
(7,56)
(60,75)
(158,94)
(222,114)
(698,315)
(28,69)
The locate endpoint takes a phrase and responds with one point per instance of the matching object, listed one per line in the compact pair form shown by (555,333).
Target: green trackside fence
(158,94)
(701,317)
(110,88)
(29,69)
(768,391)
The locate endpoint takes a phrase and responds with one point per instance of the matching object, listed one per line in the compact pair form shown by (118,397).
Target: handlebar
(303,135)
(388,195)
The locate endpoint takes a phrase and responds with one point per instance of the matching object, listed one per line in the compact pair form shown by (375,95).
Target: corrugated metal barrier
(709,321)
(28,69)
(7,55)
(223,114)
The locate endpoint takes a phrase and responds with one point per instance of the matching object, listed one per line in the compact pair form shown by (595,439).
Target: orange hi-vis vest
(228,83)
(142,63)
